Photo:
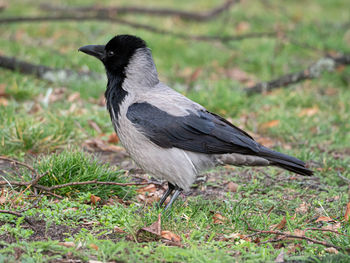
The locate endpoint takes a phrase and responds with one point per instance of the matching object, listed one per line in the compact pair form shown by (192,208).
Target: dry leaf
(3,102)
(195,75)
(151,188)
(280,225)
(308,112)
(232,187)
(347,212)
(240,76)
(94,199)
(325,219)
(113,138)
(154,229)
(93,246)
(242,27)
(299,232)
(2,197)
(219,219)
(331,250)
(91,223)
(67,244)
(266,141)
(117,229)
(94,125)
(3,90)
(333,227)
(57,94)
(93,144)
(73,97)
(269,124)
(303,208)
(170,236)
(280,257)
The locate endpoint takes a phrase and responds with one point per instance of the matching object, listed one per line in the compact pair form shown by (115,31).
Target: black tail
(285,161)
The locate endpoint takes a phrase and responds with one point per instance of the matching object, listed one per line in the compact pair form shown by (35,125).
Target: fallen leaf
(194,76)
(170,236)
(94,125)
(308,112)
(303,208)
(299,232)
(2,197)
(347,212)
(148,188)
(67,244)
(266,141)
(93,246)
(240,75)
(242,27)
(117,229)
(93,144)
(218,218)
(331,250)
(280,257)
(232,187)
(94,199)
(57,94)
(269,124)
(280,225)
(3,90)
(90,223)
(3,102)
(73,97)
(325,219)
(113,138)
(154,229)
(333,227)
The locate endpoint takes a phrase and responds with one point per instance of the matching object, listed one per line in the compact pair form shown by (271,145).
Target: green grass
(49,135)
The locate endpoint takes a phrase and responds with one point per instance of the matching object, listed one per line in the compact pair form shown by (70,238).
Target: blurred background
(277,69)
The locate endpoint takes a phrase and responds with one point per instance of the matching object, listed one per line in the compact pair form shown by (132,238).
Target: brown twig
(119,10)
(327,230)
(41,71)
(315,70)
(149,28)
(285,235)
(50,189)
(15,162)
(16,214)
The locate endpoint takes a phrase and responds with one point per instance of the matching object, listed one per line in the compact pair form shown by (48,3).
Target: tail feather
(285,161)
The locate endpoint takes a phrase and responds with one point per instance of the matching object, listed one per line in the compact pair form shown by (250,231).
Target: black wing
(202,131)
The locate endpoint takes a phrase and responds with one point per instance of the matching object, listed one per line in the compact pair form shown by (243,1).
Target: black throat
(115,95)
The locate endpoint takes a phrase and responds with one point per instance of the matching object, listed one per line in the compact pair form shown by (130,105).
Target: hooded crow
(165,133)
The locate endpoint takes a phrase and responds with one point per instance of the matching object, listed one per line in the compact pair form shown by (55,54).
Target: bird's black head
(116,54)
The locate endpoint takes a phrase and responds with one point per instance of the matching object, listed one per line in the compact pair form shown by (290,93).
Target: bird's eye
(110,53)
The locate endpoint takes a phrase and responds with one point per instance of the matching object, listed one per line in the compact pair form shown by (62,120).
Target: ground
(61,128)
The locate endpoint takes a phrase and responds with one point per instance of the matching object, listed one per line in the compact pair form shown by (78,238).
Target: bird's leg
(178,191)
(170,189)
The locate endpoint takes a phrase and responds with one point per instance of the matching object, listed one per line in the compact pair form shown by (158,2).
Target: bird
(167,134)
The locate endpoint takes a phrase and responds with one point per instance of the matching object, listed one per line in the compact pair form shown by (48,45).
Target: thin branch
(119,10)
(41,71)
(149,28)
(94,182)
(326,230)
(315,70)
(16,214)
(50,189)
(285,235)
(12,161)
(343,177)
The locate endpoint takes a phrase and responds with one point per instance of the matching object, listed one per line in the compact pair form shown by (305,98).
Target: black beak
(97,51)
